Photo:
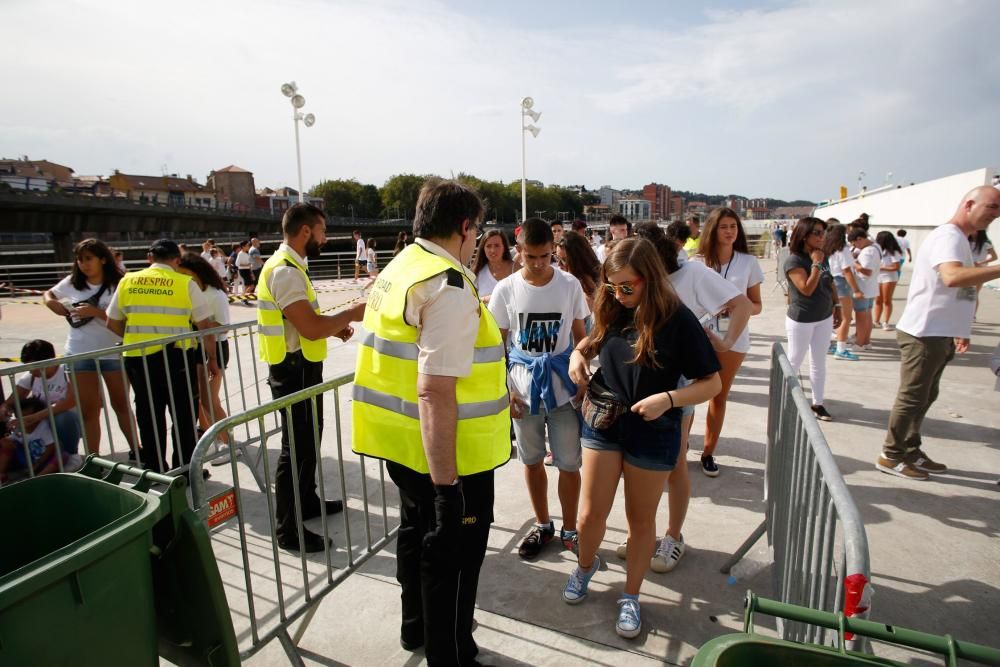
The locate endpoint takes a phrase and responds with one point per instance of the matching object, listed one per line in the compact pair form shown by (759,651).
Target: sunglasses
(817,232)
(627,288)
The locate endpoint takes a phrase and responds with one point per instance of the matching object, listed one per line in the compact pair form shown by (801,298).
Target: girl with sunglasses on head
(646,339)
(723,248)
(82,297)
(813,309)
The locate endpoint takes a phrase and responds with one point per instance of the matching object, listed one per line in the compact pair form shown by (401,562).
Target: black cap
(164,249)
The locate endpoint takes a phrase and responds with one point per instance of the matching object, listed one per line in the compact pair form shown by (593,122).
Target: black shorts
(363,263)
(248,277)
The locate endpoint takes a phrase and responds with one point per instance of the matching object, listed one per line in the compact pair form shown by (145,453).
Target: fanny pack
(77,322)
(601,407)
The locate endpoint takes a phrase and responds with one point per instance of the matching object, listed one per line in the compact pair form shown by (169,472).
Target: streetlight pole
(290,90)
(526,112)
(861,175)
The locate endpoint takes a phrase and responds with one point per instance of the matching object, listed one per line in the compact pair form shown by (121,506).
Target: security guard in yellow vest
(291,338)
(149,305)
(430,398)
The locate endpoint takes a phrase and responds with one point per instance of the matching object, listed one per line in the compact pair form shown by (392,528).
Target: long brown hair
(657,304)
(581,261)
(708,242)
(803,228)
(111,274)
(835,239)
(481,250)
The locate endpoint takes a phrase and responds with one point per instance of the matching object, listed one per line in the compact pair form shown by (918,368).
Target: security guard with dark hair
(430,398)
(292,338)
(149,305)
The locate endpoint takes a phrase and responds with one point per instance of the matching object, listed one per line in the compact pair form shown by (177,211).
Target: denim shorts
(844,290)
(861,305)
(564,437)
(653,445)
(90,365)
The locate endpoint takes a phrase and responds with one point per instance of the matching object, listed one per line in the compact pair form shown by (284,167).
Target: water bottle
(751,564)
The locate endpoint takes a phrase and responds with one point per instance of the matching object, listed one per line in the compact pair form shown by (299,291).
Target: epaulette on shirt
(455,279)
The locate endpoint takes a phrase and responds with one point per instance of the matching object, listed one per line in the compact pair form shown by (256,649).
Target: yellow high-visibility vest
(271,321)
(156,304)
(385,417)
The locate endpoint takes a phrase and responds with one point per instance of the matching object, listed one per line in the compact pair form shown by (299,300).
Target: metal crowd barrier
(806,501)
(240,391)
(262,598)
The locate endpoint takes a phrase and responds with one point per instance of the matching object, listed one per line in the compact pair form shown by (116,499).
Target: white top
(200,308)
(870,258)
(931,308)
(219,264)
(94,335)
(840,260)
(206,255)
(372,258)
(287,285)
(539,321)
(220,308)
(705,292)
(485,282)
(361,254)
(601,252)
(888,259)
(904,244)
(983,253)
(38,439)
(682,255)
(743,271)
(447,318)
(51,390)
(243,260)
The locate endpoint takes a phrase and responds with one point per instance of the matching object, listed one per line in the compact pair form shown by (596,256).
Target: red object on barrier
(221,508)
(857,597)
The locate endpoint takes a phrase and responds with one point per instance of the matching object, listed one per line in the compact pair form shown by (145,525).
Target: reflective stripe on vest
(271,321)
(386,416)
(156,303)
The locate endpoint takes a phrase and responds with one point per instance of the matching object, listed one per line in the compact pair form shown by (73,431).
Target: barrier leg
(291,650)
(745,547)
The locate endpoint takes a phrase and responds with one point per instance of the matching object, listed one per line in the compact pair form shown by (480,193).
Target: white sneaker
(668,553)
(888,327)
(857,349)
(622,550)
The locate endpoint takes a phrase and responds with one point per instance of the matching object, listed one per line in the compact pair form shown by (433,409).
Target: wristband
(671,401)
(818,266)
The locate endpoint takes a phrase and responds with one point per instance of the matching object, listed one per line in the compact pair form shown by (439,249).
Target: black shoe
(822,414)
(312,544)
(411,645)
(332,507)
(532,545)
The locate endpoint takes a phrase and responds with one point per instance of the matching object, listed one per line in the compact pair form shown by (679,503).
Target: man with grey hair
(936,323)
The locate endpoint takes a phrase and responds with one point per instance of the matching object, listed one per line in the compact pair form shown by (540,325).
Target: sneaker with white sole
(622,550)
(924,464)
(709,466)
(846,355)
(668,553)
(576,588)
(629,622)
(899,469)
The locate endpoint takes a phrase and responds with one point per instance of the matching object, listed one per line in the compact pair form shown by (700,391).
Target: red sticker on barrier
(222,507)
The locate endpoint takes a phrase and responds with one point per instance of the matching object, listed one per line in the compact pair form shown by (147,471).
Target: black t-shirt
(682,348)
(817,306)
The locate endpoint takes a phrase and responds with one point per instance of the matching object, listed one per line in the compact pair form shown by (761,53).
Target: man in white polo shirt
(936,323)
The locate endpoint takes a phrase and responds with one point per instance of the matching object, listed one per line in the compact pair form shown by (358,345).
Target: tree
(399,194)
(348,198)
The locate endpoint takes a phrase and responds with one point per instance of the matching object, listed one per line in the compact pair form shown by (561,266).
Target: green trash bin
(749,648)
(94,573)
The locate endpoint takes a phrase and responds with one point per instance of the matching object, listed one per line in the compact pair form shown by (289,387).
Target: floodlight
(534,130)
(309,120)
(527,103)
(288,89)
(535,115)
(298,101)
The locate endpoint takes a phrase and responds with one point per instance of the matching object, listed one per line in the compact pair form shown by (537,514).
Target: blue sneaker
(629,624)
(576,587)
(846,355)
(833,348)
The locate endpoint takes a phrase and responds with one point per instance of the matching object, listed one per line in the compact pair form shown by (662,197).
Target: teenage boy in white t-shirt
(936,323)
(543,308)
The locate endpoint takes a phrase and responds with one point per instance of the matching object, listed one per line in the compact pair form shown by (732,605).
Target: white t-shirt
(372,258)
(904,244)
(219,264)
(51,390)
(888,259)
(220,308)
(94,335)
(870,258)
(743,271)
(38,440)
(705,292)
(601,252)
(207,255)
(485,282)
(840,260)
(983,252)
(243,260)
(539,321)
(362,255)
(931,308)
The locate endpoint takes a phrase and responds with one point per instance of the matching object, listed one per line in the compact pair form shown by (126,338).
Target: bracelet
(671,401)
(818,266)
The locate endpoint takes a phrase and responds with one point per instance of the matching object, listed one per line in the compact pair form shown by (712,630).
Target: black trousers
(439,595)
(154,380)
(291,375)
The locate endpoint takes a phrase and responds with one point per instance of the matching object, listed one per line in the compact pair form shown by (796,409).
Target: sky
(761,99)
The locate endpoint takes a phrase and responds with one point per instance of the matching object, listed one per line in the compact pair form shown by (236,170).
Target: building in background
(39,175)
(676,207)
(659,198)
(233,187)
(170,190)
(280,200)
(635,210)
(792,212)
(609,196)
(738,204)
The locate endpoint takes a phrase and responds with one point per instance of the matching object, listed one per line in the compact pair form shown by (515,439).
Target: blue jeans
(652,445)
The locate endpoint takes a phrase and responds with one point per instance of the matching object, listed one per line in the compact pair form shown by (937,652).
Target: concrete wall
(917,208)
